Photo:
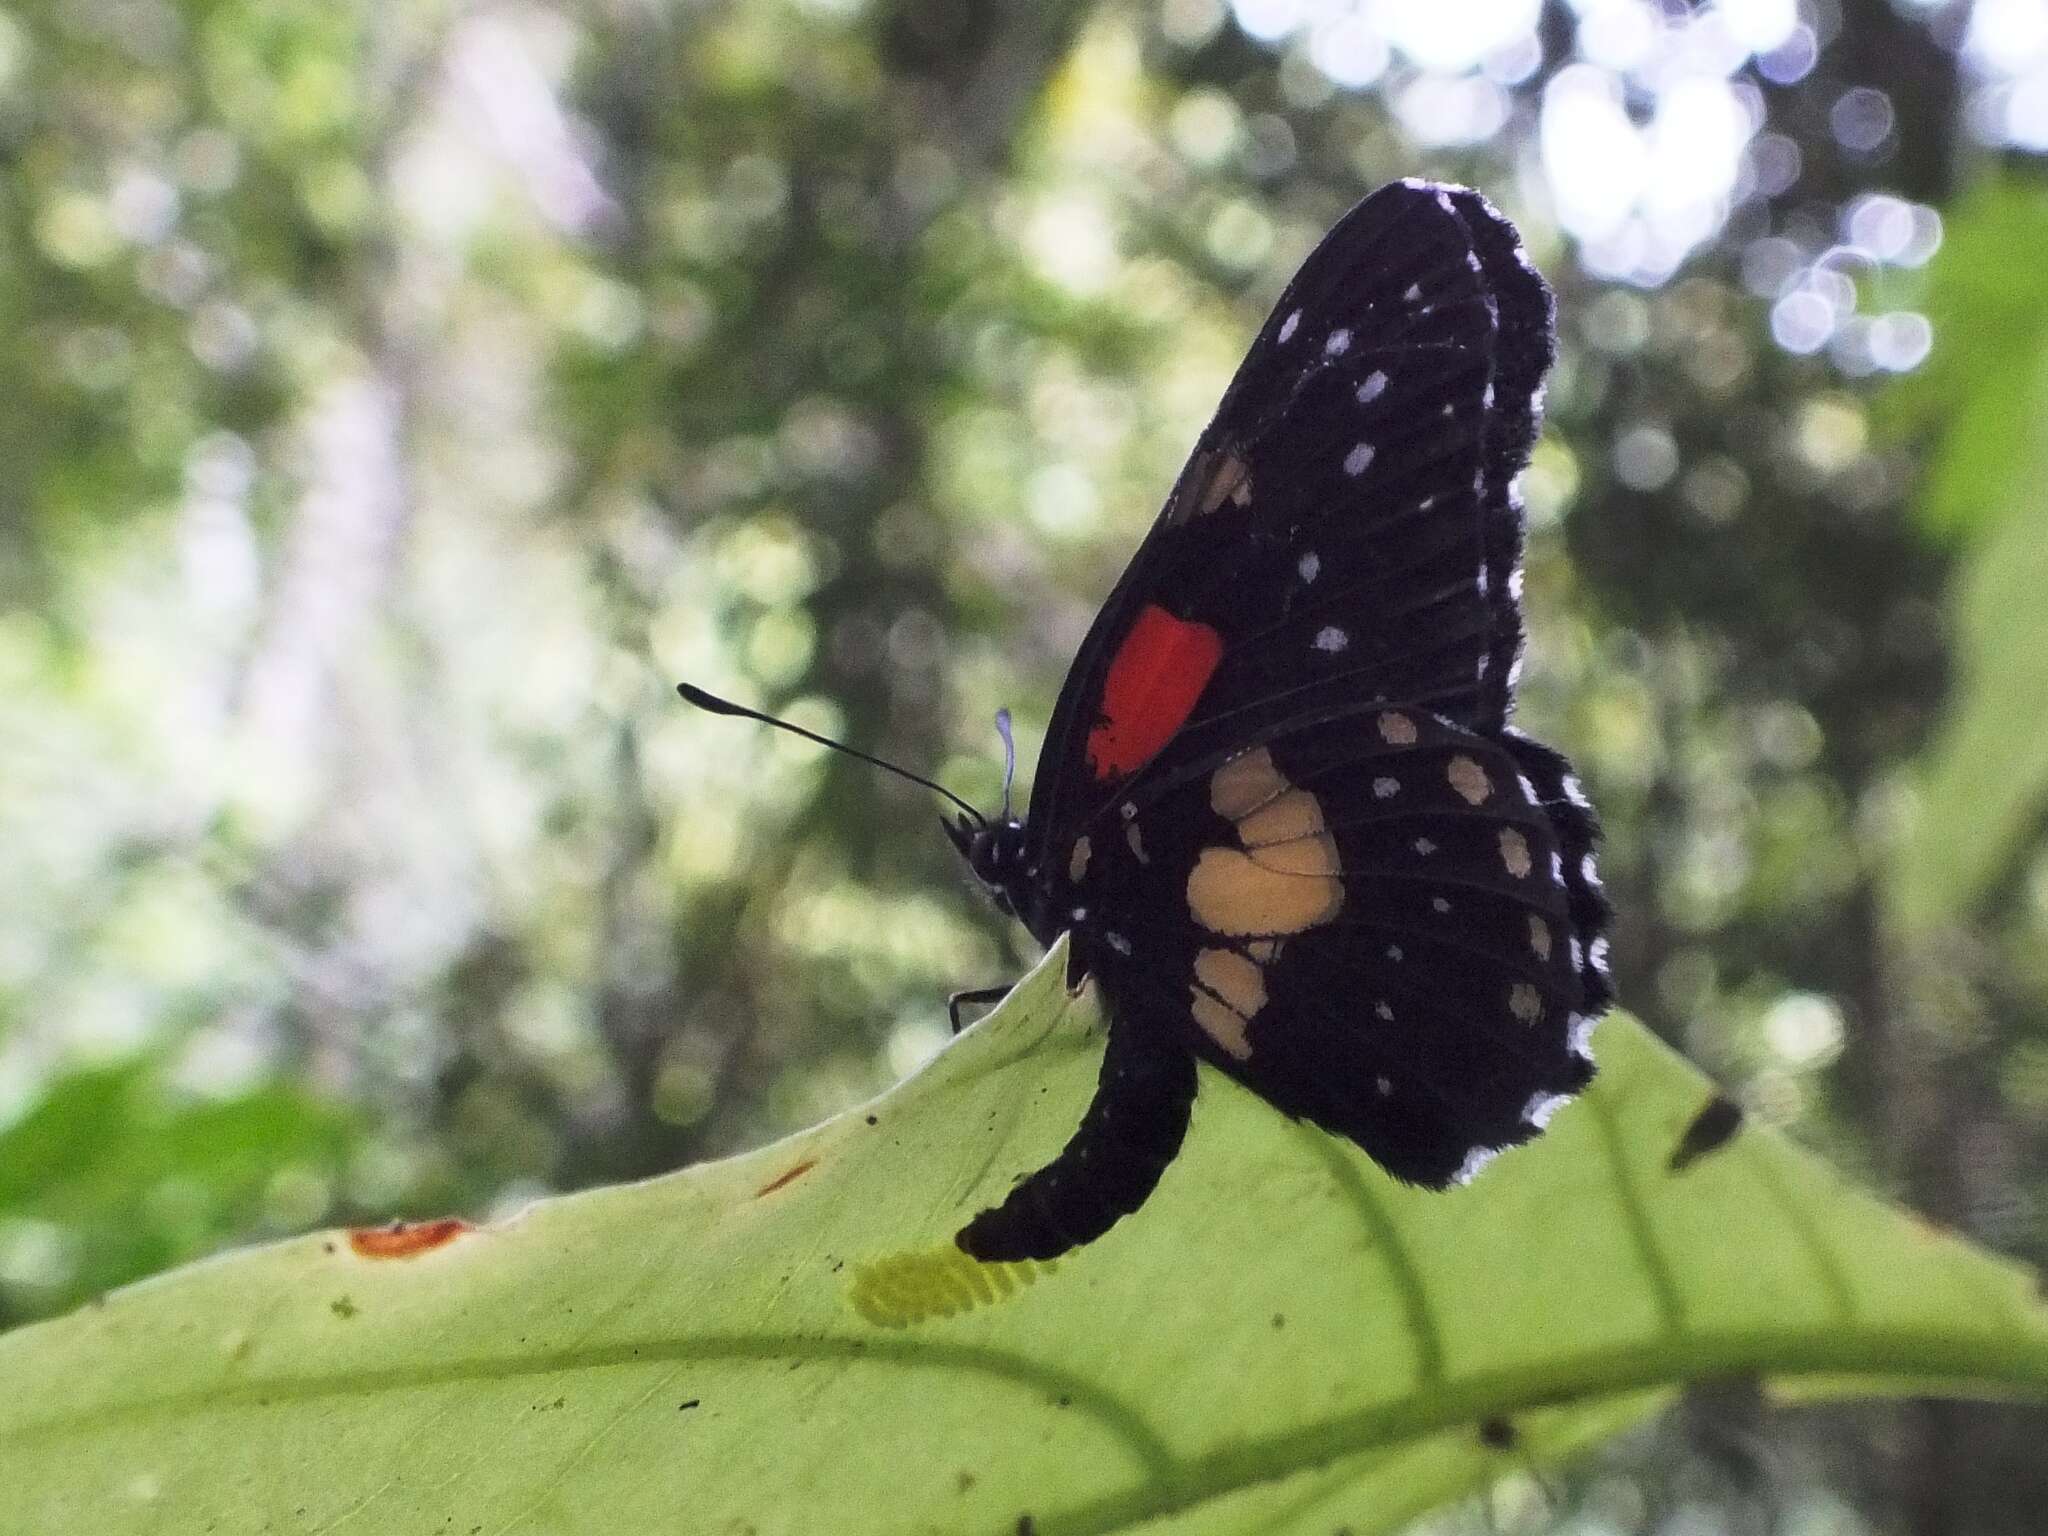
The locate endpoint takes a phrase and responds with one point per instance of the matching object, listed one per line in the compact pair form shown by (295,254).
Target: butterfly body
(1281,813)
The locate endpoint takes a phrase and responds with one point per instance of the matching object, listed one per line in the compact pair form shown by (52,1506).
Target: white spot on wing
(1287,326)
(1486,396)
(1475,1160)
(1332,639)
(1424,847)
(1383,1086)
(1580,1040)
(1394,953)
(1482,581)
(1385,788)
(1528,789)
(1310,566)
(1443,201)
(1525,1002)
(1117,942)
(1542,1106)
(1439,904)
(1384,1011)
(1596,953)
(1356,460)
(1589,872)
(1338,343)
(1413,292)
(1575,794)
(1472,260)
(1375,384)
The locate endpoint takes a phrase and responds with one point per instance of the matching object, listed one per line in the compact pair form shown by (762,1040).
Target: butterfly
(1281,814)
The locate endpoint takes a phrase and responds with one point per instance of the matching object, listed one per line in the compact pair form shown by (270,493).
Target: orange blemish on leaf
(790,1177)
(1157,674)
(406,1239)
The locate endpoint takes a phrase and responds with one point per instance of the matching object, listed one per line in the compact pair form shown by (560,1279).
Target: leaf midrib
(1891,1356)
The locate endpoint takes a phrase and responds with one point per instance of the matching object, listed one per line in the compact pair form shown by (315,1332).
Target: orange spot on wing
(406,1239)
(1154,680)
(790,1177)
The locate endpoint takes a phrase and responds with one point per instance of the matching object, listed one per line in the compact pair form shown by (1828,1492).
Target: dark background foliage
(399,398)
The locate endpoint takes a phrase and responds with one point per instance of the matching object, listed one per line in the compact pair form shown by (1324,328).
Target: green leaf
(1983,398)
(1282,1340)
(1983,392)
(1985,776)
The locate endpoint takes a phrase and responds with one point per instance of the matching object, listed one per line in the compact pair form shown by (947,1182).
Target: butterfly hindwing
(1365,919)
(1557,790)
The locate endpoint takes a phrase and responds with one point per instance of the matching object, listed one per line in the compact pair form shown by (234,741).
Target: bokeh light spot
(1451,36)
(1802,321)
(1862,119)
(1646,457)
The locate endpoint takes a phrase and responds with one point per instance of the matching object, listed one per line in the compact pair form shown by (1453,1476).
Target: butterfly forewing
(1343,529)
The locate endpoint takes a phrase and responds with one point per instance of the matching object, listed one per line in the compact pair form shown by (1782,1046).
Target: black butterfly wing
(1280,808)
(1374,921)
(1378,920)
(1346,527)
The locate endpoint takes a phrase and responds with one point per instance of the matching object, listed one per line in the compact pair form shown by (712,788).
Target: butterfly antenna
(1009,757)
(717,706)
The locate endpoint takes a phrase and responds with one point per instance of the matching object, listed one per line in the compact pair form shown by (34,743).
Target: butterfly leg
(972,998)
(1131,1131)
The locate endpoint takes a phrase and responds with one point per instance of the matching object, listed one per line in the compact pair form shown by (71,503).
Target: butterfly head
(994,850)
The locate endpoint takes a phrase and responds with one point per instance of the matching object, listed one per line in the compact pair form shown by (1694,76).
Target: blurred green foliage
(400,398)
(117,1177)
(1981,406)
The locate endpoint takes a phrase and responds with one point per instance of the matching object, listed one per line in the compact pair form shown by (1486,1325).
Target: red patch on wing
(1154,679)
(790,1177)
(406,1239)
